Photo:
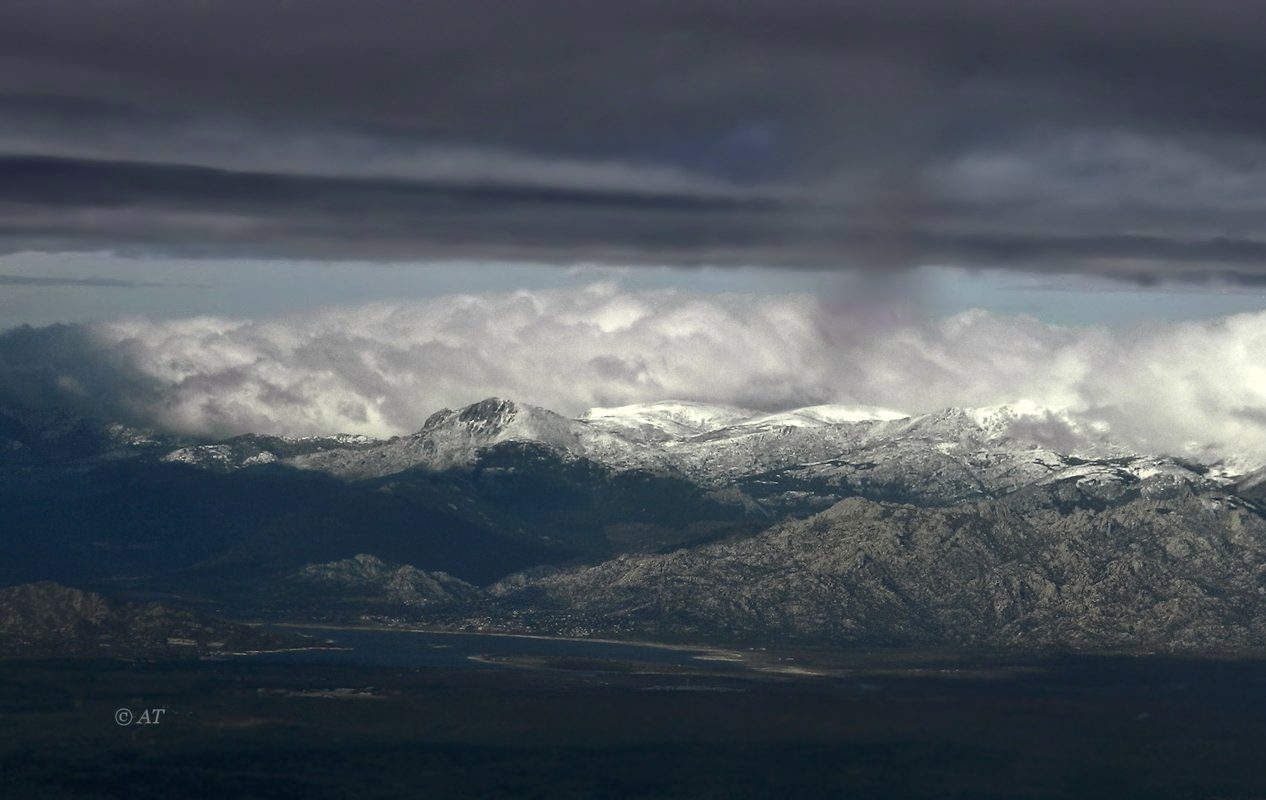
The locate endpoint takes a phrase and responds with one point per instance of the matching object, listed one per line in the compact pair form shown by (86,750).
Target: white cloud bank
(380,369)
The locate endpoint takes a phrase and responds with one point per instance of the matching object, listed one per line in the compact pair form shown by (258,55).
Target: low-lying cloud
(382,368)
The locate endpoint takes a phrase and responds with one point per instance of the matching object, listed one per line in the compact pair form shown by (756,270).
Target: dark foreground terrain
(868,725)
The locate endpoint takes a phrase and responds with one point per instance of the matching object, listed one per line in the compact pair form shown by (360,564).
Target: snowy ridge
(454,438)
(812,416)
(954,452)
(665,420)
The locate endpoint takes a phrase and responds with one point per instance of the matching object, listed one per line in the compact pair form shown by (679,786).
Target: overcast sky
(208,193)
(1124,137)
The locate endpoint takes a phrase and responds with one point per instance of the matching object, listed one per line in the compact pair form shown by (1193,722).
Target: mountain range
(1008,526)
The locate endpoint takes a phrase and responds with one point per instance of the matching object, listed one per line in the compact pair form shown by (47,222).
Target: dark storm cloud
(1126,138)
(64,367)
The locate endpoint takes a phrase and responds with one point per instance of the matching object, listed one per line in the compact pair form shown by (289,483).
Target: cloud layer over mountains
(382,368)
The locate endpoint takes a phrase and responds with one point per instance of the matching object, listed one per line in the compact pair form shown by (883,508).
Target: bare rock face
(1177,570)
(47,620)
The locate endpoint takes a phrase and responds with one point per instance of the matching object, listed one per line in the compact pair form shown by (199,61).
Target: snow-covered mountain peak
(453,438)
(829,414)
(670,419)
(490,419)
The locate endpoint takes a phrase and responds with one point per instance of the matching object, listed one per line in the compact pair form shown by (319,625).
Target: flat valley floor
(569,725)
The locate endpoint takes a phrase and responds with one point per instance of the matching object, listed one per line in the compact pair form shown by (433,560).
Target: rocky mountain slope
(368,579)
(254,450)
(47,620)
(1166,569)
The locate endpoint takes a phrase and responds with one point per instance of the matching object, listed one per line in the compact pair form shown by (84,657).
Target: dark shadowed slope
(47,620)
